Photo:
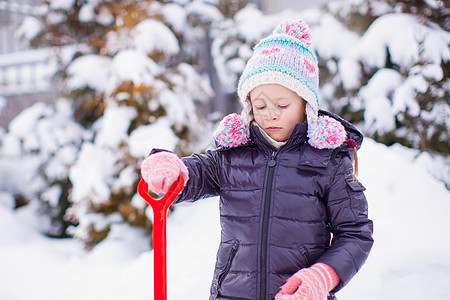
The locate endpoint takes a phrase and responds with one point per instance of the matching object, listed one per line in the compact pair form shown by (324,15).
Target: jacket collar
(297,137)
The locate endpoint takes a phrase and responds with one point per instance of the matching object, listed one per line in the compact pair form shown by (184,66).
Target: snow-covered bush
(393,78)
(232,44)
(145,95)
(41,144)
(132,85)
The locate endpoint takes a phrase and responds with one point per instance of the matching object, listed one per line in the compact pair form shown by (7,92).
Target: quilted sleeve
(352,229)
(203,177)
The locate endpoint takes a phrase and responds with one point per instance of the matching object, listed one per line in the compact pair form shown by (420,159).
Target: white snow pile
(409,259)
(51,134)
(416,49)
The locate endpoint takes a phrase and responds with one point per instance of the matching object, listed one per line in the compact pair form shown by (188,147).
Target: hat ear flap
(325,132)
(232,131)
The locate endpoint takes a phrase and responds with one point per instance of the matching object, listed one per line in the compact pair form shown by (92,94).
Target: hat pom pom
(233,131)
(295,28)
(326,132)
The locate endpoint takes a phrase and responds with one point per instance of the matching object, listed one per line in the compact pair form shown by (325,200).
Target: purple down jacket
(279,210)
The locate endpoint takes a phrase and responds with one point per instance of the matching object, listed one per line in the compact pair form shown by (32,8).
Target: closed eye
(283,106)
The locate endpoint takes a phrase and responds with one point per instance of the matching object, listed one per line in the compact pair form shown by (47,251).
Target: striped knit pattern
(324,132)
(232,131)
(284,58)
(313,283)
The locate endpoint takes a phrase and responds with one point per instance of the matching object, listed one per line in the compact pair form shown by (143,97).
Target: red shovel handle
(160,208)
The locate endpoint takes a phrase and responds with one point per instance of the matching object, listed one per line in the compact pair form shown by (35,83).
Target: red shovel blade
(160,207)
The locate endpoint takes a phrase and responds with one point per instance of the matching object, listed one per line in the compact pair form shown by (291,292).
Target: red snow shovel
(160,207)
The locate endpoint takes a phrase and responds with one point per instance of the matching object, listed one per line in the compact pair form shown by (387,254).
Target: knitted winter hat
(285,58)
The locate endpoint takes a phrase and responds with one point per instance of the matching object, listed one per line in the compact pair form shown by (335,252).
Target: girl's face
(277,110)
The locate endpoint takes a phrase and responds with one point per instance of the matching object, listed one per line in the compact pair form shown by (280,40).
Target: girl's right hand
(161,170)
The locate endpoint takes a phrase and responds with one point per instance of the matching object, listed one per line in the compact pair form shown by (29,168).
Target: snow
(30,28)
(393,31)
(408,200)
(379,115)
(207,12)
(61,4)
(104,16)
(350,71)
(126,179)
(51,135)
(245,20)
(151,35)
(92,173)
(175,15)
(404,97)
(156,135)
(87,11)
(90,71)
(134,66)
(332,38)
(27,120)
(13,174)
(94,169)
(435,4)
(409,259)
(116,121)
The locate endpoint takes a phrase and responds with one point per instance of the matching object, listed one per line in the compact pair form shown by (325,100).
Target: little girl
(293,216)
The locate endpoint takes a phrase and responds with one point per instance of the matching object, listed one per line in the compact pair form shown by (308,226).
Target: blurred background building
(21,70)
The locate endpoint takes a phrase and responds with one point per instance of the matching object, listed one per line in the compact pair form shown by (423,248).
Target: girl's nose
(274,114)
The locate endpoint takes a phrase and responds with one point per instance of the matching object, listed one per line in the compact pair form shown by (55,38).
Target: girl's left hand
(313,283)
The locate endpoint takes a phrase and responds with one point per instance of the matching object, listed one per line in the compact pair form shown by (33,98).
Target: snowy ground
(410,259)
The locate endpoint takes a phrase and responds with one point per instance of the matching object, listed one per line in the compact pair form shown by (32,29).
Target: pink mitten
(313,283)
(160,170)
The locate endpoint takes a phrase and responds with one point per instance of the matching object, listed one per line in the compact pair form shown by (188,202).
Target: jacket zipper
(265,226)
